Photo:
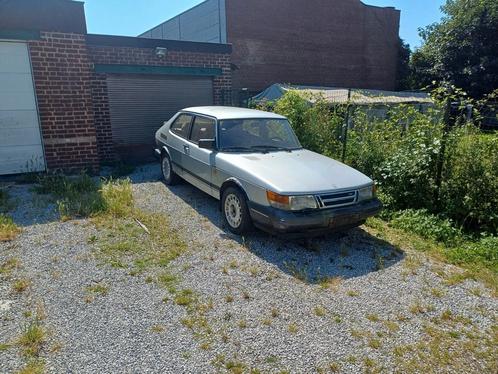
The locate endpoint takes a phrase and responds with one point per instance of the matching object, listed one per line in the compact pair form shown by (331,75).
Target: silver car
(253,163)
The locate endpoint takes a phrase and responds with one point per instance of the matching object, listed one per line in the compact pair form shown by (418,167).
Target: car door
(199,162)
(177,143)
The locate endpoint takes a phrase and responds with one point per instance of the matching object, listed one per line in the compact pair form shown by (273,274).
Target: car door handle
(186,149)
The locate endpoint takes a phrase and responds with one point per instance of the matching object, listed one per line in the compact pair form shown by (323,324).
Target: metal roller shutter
(139,105)
(21,147)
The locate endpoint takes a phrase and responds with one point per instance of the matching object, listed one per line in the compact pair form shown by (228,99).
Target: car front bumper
(312,222)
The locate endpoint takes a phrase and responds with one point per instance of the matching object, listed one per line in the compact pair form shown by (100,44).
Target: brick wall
(62,71)
(341,43)
(112,55)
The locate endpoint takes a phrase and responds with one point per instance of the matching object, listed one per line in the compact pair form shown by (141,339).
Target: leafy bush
(470,188)
(317,126)
(294,107)
(427,225)
(400,153)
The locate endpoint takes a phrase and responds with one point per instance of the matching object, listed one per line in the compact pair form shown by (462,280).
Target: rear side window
(181,126)
(203,128)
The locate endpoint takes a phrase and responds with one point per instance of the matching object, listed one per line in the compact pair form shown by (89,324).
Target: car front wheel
(170,177)
(235,211)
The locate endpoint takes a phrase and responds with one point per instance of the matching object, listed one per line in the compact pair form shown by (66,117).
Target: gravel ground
(269,307)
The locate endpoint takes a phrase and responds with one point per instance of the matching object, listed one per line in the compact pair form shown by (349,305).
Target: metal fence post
(442,151)
(345,129)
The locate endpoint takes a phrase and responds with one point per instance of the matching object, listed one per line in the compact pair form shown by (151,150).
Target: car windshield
(260,135)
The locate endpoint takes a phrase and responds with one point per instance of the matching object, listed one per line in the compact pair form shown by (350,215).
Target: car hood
(295,172)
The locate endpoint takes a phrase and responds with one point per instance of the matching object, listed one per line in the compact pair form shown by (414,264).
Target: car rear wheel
(235,211)
(170,177)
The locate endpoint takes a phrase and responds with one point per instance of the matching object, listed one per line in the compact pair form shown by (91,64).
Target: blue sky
(132,17)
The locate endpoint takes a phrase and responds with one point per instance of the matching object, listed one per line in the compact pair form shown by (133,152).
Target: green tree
(403,77)
(462,48)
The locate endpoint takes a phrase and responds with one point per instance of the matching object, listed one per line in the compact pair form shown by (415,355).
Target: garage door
(139,105)
(20,140)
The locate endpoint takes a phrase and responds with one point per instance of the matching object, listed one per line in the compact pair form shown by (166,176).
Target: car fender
(232,181)
(164,150)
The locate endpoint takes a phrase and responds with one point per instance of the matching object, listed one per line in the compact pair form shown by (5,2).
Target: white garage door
(20,140)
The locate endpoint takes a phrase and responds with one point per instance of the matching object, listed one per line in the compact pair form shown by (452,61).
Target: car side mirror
(207,144)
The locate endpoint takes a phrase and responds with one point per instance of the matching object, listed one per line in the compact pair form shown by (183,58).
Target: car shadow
(339,255)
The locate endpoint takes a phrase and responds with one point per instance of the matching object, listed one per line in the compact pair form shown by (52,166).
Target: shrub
(324,128)
(317,126)
(370,143)
(470,188)
(294,107)
(400,153)
(427,225)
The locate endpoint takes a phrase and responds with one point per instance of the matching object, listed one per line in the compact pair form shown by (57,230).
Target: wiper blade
(272,147)
(236,149)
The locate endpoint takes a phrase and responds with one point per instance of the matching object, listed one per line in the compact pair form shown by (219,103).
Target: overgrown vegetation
(84,196)
(8,229)
(435,180)
(4,201)
(128,235)
(478,258)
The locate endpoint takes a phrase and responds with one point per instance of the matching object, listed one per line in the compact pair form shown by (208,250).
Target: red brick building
(73,100)
(335,43)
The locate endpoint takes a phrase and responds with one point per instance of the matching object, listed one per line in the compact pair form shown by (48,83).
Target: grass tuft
(320,311)
(8,229)
(33,367)
(185,298)
(293,328)
(21,285)
(32,339)
(99,289)
(9,265)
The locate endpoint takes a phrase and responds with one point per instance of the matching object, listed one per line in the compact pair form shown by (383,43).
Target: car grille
(337,199)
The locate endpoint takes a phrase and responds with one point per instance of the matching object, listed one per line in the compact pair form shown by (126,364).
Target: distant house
(339,43)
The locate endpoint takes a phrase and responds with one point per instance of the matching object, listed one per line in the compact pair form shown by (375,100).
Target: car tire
(235,211)
(169,176)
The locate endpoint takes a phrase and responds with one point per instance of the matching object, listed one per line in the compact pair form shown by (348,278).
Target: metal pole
(442,151)
(345,129)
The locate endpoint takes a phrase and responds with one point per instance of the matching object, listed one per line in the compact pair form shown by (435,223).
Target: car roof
(228,112)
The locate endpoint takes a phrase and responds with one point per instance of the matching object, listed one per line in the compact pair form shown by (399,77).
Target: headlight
(366,193)
(291,202)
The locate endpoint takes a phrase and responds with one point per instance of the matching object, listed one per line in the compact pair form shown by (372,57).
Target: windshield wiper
(235,149)
(272,147)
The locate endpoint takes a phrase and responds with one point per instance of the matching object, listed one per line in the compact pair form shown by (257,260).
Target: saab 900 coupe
(253,163)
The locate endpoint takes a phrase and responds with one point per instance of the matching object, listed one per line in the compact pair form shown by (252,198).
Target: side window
(203,128)
(181,126)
